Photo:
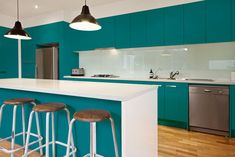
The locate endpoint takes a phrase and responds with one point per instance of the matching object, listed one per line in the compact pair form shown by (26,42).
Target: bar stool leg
(28,133)
(1,110)
(23,124)
(39,133)
(92,139)
(47,133)
(69,136)
(53,134)
(68,118)
(114,137)
(38,129)
(13,130)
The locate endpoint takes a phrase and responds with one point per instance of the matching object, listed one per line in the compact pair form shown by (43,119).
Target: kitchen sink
(192,79)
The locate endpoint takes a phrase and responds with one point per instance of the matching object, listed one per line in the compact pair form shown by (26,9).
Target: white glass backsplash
(212,61)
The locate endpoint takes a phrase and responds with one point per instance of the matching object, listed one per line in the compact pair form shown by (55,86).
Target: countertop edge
(79,94)
(153,80)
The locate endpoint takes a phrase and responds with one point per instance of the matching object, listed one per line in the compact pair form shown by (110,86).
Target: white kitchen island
(134,108)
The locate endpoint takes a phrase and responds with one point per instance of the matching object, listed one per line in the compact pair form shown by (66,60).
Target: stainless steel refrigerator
(47,63)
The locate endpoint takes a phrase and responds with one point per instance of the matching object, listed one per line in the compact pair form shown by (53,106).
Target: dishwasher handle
(207,91)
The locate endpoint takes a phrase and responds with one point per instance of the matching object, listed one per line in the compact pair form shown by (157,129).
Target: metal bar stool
(17,103)
(92,116)
(49,109)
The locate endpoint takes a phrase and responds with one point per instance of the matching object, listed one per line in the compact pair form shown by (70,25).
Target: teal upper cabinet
(233,20)
(138,29)
(218,20)
(176,106)
(104,38)
(122,31)
(86,40)
(174,22)
(155,27)
(195,23)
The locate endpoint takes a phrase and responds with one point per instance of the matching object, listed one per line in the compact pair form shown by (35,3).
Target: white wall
(214,61)
(7,21)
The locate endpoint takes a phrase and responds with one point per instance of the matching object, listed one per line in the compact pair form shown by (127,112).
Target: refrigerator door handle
(36,71)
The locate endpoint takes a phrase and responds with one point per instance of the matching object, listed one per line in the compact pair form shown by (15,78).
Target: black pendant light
(17,32)
(85,21)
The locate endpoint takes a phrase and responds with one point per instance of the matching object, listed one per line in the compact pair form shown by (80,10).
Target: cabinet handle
(171,86)
(207,90)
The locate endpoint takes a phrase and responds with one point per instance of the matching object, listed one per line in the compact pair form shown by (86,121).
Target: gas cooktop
(105,75)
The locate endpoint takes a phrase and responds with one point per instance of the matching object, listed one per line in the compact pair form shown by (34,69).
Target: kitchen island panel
(81,131)
(134,114)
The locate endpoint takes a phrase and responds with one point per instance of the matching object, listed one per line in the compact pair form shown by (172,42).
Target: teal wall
(8,56)
(201,22)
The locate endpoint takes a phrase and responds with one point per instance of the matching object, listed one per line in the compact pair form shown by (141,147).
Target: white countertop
(107,91)
(215,82)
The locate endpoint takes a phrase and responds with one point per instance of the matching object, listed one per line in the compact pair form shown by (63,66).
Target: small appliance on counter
(78,72)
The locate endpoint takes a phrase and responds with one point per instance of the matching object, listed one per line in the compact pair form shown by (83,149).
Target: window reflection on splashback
(212,61)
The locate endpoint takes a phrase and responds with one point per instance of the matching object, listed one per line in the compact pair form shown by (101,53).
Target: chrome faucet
(156,73)
(173,74)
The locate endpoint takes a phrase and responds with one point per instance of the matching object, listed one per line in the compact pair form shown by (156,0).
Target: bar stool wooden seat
(93,116)
(49,109)
(15,103)
(18,101)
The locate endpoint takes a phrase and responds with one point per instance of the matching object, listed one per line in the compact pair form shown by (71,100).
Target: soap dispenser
(151,74)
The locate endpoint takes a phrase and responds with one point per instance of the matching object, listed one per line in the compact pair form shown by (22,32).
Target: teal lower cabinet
(232,111)
(173,100)
(175,105)
(161,101)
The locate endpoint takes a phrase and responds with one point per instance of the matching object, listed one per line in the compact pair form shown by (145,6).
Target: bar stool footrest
(56,142)
(8,151)
(97,155)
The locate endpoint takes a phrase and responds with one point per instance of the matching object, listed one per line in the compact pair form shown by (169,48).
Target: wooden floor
(181,143)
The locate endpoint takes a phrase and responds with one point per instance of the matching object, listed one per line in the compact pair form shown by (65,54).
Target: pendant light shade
(85,21)
(17,32)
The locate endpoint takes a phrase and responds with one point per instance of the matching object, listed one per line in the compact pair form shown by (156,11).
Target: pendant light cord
(85,2)
(18,11)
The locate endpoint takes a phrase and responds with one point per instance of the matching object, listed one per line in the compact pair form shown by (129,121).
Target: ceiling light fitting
(85,21)
(17,32)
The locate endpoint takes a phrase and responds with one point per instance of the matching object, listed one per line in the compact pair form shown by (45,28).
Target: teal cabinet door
(233,20)
(176,102)
(138,29)
(232,111)
(122,31)
(161,101)
(174,25)
(218,20)
(195,23)
(155,27)
(85,41)
(104,38)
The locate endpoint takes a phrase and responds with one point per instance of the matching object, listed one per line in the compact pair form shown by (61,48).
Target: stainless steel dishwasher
(209,109)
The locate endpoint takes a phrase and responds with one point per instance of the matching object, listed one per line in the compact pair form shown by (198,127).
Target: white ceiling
(8,7)
(57,10)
